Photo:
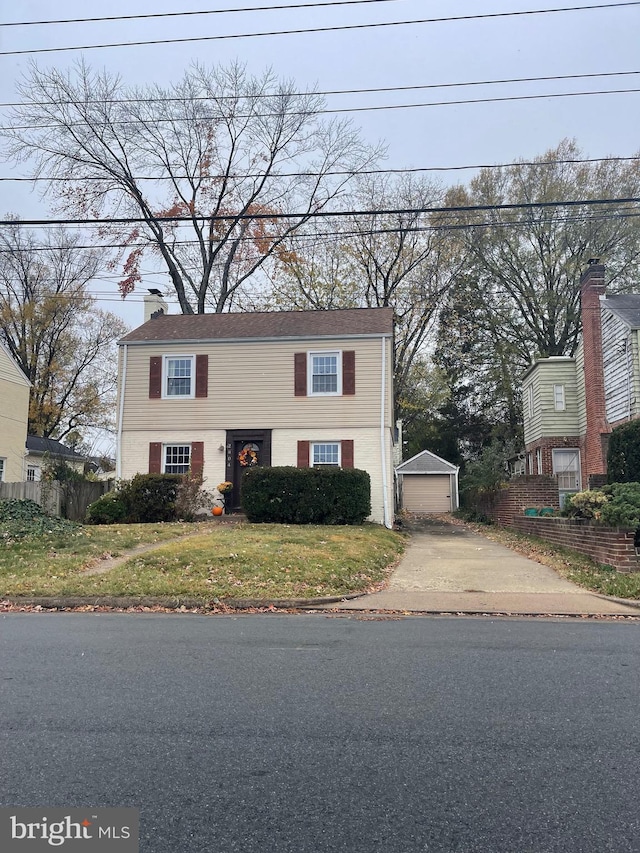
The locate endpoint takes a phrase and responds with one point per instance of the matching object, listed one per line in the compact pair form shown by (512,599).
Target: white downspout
(385,499)
(123,382)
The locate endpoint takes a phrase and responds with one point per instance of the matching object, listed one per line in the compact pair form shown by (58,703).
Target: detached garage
(427,484)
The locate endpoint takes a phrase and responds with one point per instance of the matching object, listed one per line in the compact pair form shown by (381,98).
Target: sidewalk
(448,569)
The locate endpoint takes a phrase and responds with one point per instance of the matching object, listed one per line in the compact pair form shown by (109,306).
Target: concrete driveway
(449,569)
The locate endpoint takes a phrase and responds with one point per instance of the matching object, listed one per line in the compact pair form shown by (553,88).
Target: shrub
(191,497)
(108,509)
(289,495)
(152,497)
(623,507)
(623,455)
(587,504)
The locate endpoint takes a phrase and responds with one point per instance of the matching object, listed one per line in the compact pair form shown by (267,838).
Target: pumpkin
(217,510)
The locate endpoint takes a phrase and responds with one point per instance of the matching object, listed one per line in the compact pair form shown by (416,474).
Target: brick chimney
(592,287)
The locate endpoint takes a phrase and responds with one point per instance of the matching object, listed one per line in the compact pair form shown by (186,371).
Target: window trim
(3,468)
(163,460)
(530,404)
(36,473)
(165,376)
(314,444)
(311,354)
(539,460)
(563,402)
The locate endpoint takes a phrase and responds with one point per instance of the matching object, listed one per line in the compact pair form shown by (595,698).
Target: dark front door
(245,449)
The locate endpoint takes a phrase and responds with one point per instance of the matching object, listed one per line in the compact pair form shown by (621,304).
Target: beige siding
(428,493)
(547,421)
(251,385)
(14,412)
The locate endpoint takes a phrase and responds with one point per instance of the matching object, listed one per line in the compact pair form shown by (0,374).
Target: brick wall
(518,494)
(611,546)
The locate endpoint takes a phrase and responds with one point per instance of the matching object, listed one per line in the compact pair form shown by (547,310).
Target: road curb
(174,603)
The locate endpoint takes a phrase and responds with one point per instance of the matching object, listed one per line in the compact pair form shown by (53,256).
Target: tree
(377,260)
(237,156)
(50,324)
(525,265)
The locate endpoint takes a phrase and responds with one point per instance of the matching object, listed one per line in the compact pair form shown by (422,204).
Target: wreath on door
(248,456)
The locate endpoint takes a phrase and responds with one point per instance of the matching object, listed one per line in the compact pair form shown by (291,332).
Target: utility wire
(147,99)
(417,169)
(333,236)
(325,214)
(188,14)
(313,113)
(452,18)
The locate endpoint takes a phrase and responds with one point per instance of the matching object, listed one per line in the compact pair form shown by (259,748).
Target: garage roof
(426,462)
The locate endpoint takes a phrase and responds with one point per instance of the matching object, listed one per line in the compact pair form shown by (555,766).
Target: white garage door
(426,492)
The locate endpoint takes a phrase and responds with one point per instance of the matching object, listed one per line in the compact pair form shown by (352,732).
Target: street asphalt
(449,569)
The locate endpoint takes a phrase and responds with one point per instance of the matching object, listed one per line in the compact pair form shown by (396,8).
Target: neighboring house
(14,415)
(571,404)
(44,451)
(427,484)
(213,393)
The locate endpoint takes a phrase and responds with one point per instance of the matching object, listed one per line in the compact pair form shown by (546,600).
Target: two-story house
(14,415)
(215,393)
(571,403)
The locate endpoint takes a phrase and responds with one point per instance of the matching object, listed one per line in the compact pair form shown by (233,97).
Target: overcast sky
(561,43)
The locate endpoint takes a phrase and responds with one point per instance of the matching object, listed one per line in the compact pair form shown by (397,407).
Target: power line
(325,214)
(378,90)
(450,19)
(188,14)
(341,235)
(377,108)
(405,171)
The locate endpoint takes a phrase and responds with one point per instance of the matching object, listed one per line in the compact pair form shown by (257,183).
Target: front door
(245,449)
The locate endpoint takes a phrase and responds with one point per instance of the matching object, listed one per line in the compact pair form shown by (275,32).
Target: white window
(558,398)
(530,400)
(530,462)
(325,373)
(539,460)
(2,468)
(33,473)
(566,467)
(325,454)
(177,459)
(178,376)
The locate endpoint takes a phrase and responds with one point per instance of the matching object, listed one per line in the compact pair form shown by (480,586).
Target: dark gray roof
(426,462)
(263,325)
(626,307)
(39,445)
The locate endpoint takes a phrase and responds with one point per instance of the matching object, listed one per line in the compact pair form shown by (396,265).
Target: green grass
(243,561)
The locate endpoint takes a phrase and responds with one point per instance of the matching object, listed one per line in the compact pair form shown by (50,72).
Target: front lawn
(219,562)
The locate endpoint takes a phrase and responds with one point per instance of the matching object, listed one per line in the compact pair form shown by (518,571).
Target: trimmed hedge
(287,495)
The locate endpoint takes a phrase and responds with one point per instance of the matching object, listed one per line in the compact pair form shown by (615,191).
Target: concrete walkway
(448,569)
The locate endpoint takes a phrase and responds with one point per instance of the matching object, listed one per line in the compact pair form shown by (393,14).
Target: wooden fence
(69,499)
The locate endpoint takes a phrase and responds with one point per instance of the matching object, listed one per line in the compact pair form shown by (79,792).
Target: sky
(584,41)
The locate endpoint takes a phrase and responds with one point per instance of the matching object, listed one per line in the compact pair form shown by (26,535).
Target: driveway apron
(447,568)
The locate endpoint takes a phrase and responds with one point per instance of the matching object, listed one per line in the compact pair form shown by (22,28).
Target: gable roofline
(351,323)
(449,467)
(625,306)
(39,446)
(21,374)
